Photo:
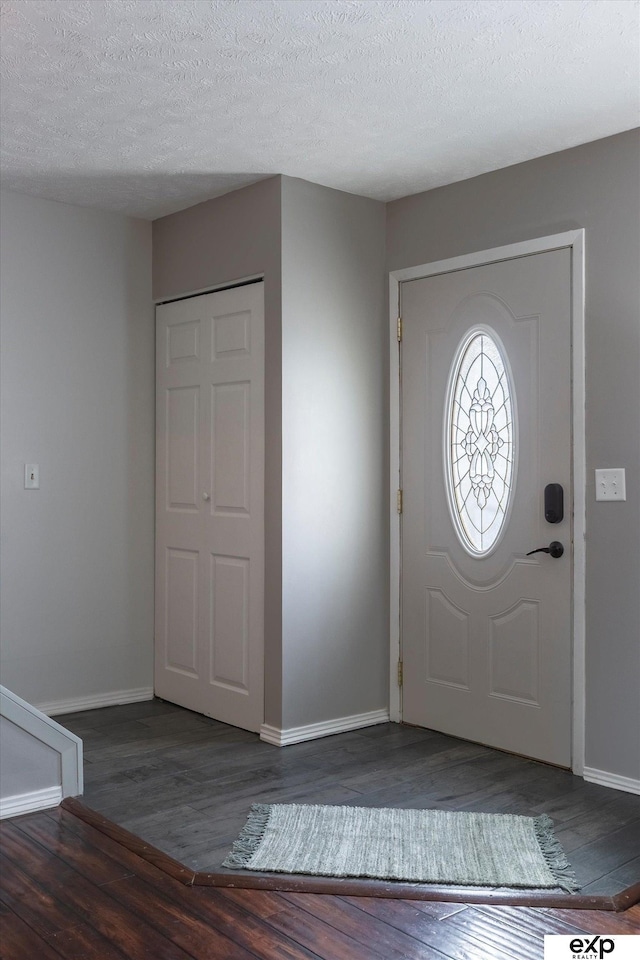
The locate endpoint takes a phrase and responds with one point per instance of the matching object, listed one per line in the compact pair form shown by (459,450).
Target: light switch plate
(32,476)
(610,484)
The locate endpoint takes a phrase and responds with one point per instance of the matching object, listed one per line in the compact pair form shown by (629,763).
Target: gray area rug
(424,846)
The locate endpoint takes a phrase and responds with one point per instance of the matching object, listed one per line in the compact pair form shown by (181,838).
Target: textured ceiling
(149,106)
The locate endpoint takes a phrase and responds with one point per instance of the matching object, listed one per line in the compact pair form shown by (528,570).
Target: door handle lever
(555,548)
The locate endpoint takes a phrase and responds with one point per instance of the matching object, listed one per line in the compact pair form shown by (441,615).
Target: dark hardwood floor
(67,890)
(184,783)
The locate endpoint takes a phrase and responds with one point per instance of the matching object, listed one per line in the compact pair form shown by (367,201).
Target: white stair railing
(46,731)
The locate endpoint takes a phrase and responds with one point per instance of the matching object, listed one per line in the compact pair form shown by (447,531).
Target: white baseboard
(614,780)
(313,731)
(30,802)
(113,699)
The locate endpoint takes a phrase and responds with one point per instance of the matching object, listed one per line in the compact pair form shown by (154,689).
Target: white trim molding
(114,699)
(30,802)
(614,780)
(313,731)
(575,241)
(42,728)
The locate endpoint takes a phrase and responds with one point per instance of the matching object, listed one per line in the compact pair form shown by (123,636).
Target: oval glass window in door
(480,441)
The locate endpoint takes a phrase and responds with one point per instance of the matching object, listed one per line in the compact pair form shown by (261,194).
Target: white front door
(210,504)
(486,426)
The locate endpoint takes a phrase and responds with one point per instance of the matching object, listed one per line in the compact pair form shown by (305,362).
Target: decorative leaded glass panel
(479,436)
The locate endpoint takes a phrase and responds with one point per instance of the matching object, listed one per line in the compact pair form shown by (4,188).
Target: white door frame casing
(574,240)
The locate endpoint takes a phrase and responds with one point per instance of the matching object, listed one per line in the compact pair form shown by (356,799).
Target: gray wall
(595,186)
(77,398)
(229,238)
(322,256)
(27,764)
(334,415)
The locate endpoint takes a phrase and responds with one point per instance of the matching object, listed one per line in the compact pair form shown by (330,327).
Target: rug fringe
(250,837)
(554,855)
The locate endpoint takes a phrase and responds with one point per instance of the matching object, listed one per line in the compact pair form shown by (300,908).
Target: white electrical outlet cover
(611,484)
(31,476)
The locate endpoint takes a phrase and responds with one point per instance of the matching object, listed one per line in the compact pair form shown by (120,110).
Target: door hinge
(399,501)
(399,329)
(400,672)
